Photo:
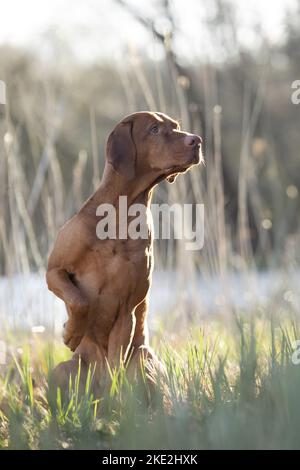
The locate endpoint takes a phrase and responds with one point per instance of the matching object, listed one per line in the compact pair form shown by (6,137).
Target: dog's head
(151,145)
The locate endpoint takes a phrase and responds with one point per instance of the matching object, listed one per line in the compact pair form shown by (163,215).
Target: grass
(228,385)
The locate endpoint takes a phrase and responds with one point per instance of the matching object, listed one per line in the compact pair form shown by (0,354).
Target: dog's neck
(113,186)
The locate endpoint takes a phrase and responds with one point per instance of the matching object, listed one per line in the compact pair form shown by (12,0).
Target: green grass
(230,384)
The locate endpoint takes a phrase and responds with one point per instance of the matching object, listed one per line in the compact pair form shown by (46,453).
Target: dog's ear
(121,150)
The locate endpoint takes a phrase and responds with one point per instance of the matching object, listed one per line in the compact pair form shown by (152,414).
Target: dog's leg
(147,372)
(144,357)
(74,328)
(141,355)
(60,283)
(67,371)
(120,338)
(93,355)
(141,333)
(90,356)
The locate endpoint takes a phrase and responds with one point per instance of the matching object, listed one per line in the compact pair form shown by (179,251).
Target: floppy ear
(121,150)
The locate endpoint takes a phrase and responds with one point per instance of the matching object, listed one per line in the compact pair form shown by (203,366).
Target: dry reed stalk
(78,173)
(95,154)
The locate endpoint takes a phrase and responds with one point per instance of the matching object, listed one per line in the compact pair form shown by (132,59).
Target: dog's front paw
(71,340)
(74,331)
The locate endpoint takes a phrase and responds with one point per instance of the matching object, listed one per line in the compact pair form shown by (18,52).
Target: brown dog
(105,283)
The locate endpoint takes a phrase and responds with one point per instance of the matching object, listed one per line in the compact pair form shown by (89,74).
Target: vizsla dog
(105,282)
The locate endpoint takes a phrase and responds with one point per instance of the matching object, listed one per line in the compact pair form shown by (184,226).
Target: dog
(104,283)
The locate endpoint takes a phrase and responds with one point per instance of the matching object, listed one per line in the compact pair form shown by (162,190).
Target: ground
(232,383)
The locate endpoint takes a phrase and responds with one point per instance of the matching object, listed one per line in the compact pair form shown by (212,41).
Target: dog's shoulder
(72,240)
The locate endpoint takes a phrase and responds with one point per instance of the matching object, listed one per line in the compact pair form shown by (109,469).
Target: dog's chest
(119,269)
(133,258)
(131,266)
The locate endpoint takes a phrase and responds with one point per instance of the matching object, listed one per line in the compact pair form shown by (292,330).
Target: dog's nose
(192,140)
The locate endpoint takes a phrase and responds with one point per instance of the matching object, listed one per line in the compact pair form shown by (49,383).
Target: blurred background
(224,69)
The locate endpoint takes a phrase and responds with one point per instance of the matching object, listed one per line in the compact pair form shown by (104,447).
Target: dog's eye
(154,130)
